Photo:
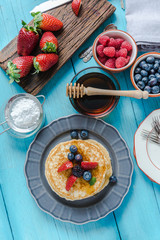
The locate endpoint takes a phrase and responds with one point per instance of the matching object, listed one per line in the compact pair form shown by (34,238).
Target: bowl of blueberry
(145,73)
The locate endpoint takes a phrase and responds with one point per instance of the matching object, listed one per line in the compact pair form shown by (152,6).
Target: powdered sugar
(25,113)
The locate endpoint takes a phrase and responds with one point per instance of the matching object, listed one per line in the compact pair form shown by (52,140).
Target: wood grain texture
(75,32)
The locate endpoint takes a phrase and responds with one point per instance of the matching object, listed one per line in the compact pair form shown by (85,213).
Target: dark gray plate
(95,207)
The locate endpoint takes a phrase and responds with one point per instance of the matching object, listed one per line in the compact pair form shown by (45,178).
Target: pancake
(108,162)
(91,151)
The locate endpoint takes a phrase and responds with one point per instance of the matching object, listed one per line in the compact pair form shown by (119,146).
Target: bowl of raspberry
(115,50)
(145,73)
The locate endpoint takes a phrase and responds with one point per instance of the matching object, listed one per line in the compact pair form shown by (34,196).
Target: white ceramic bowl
(141,58)
(117,34)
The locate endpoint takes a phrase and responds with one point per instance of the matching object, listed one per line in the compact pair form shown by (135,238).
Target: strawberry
(76,4)
(46,22)
(19,67)
(48,42)
(65,166)
(89,165)
(27,40)
(42,62)
(71,180)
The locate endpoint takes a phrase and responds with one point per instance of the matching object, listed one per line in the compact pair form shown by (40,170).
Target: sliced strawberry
(46,22)
(76,4)
(89,165)
(71,180)
(65,166)
(19,67)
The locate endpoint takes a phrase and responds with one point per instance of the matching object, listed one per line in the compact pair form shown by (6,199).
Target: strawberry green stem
(49,47)
(13,72)
(29,28)
(36,66)
(37,19)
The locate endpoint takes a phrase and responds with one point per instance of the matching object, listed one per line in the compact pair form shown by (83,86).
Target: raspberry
(119,41)
(112,43)
(122,52)
(110,63)
(100,50)
(102,59)
(103,40)
(127,59)
(109,51)
(120,62)
(126,45)
(117,54)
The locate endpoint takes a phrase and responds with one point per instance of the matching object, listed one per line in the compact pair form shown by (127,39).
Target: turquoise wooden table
(139,215)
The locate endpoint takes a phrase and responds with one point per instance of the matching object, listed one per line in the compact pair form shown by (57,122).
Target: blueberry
(142,63)
(145,80)
(70,156)
(137,70)
(152,82)
(113,179)
(87,175)
(152,71)
(146,67)
(77,171)
(156,66)
(147,88)
(141,85)
(150,66)
(157,61)
(78,157)
(155,89)
(144,73)
(158,78)
(84,134)
(73,149)
(150,59)
(157,75)
(137,77)
(158,70)
(74,134)
(151,76)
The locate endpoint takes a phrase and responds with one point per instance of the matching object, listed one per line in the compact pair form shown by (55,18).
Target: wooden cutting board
(75,32)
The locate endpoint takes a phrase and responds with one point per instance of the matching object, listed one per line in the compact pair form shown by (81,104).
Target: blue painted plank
(5,230)
(141,205)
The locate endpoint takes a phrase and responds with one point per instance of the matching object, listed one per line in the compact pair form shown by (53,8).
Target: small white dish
(146,152)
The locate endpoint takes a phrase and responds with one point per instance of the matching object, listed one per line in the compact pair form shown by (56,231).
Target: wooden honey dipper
(78,90)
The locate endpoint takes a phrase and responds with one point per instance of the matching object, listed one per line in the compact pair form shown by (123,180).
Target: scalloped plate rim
(130,177)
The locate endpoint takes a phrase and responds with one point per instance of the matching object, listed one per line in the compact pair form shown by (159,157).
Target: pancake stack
(91,151)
